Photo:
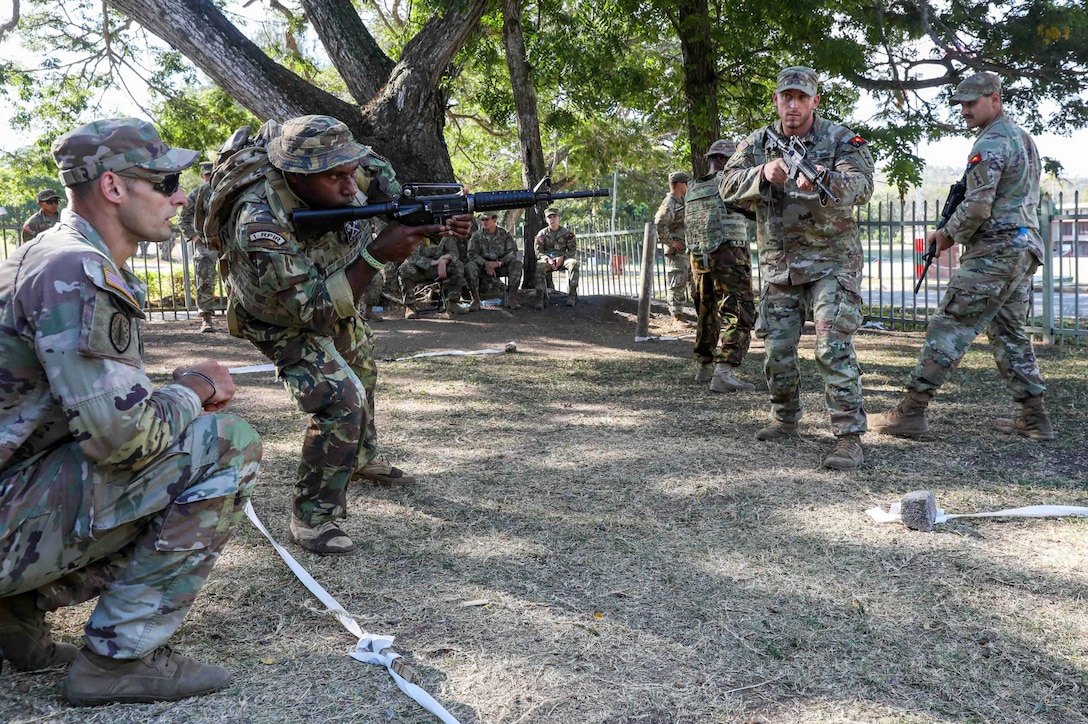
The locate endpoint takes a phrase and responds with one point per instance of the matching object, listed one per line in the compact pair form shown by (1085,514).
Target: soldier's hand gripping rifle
(956,193)
(793,153)
(421,204)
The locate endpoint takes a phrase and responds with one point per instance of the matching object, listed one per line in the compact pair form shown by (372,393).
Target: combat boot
(24,636)
(453,308)
(847,454)
(778,430)
(511,300)
(371,316)
(907,419)
(725,381)
(207,325)
(572,295)
(539,300)
(706,371)
(1032,423)
(410,312)
(475,306)
(162,675)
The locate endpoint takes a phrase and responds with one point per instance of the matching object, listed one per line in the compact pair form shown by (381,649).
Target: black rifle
(793,152)
(422,204)
(956,192)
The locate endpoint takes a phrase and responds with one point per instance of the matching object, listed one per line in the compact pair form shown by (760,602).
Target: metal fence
(892,242)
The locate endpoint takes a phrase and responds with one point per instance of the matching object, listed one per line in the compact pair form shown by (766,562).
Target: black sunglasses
(169,185)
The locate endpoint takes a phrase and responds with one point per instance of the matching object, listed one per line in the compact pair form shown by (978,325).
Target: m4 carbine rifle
(421,204)
(793,153)
(956,193)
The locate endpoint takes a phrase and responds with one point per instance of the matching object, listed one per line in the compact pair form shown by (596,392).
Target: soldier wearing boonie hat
(718,248)
(556,248)
(670,235)
(169,484)
(45,217)
(998,225)
(810,257)
(297,300)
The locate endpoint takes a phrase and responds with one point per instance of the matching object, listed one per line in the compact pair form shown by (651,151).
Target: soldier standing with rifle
(998,225)
(669,220)
(809,255)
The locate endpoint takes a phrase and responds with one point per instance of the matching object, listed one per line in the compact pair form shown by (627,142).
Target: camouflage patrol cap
(976,86)
(48,195)
(314,144)
(206,167)
(115,144)
(797,77)
(679,177)
(722,147)
(489,215)
(551,211)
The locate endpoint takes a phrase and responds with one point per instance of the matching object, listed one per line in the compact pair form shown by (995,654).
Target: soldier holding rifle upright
(998,225)
(809,255)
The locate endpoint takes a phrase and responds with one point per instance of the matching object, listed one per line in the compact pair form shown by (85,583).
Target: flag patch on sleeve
(974,161)
(115,281)
(857,141)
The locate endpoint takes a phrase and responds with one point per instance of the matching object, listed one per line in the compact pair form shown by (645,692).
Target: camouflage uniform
(810,259)
(670,230)
(37,223)
(550,244)
(290,297)
(496,246)
(717,240)
(998,225)
(205,260)
(420,269)
(108,487)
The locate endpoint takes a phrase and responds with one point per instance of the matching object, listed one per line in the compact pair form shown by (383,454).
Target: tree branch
(357,57)
(10,25)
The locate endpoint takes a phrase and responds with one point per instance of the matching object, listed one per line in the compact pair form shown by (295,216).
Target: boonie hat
(48,195)
(115,144)
(976,86)
(314,144)
(551,211)
(679,177)
(797,77)
(722,147)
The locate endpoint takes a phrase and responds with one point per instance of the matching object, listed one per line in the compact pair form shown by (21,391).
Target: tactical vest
(708,224)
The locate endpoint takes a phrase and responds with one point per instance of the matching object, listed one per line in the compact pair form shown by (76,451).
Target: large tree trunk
(700,80)
(532,152)
(401,112)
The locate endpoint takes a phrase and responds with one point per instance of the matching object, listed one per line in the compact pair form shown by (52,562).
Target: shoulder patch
(974,161)
(570,234)
(743,145)
(266,236)
(857,141)
(115,281)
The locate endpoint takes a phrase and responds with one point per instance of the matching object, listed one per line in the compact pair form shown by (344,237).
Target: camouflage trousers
(726,305)
(511,271)
(544,270)
(143,542)
(836,309)
(205,262)
(332,379)
(372,297)
(678,279)
(410,275)
(990,293)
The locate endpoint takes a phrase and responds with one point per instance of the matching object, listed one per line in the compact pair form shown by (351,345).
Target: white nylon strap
(1030,511)
(372,648)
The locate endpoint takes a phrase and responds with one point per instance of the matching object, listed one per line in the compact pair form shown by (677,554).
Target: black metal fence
(892,238)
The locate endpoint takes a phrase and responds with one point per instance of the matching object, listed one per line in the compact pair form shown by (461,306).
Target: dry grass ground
(644,559)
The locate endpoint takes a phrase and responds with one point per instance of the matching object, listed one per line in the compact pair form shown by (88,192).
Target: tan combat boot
(162,675)
(847,454)
(705,373)
(539,300)
(778,430)
(475,306)
(907,419)
(206,325)
(572,296)
(511,300)
(725,381)
(24,636)
(1032,423)
(410,312)
(453,308)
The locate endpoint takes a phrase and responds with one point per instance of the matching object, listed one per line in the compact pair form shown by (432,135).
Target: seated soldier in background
(492,251)
(433,261)
(556,248)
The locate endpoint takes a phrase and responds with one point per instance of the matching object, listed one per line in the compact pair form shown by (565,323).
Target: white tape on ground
(371,649)
(508,348)
(1030,511)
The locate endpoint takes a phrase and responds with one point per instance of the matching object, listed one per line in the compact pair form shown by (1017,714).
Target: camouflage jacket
(38,223)
(560,242)
(429,250)
(799,239)
(1003,174)
(497,246)
(185,218)
(670,222)
(281,286)
(73,359)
